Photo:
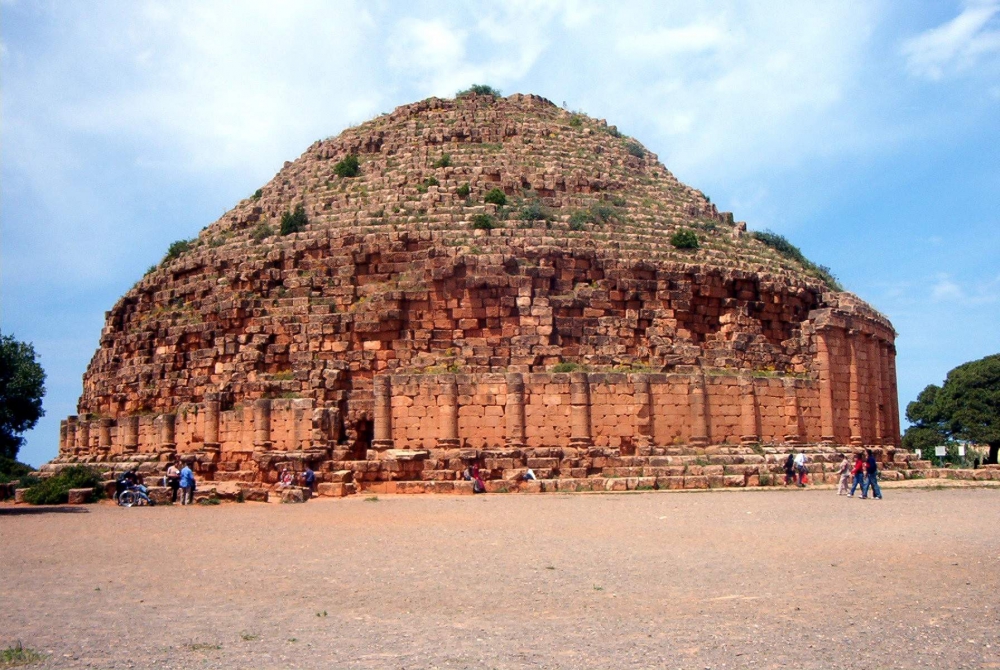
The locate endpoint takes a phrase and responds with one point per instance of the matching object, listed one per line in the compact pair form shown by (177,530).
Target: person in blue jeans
(871,480)
(187,485)
(858,471)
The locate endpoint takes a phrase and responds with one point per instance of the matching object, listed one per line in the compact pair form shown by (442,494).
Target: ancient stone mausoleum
(498,281)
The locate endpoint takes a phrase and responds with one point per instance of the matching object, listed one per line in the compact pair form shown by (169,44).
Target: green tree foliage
(443,162)
(790,251)
(55,490)
(463,191)
(684,239)
(22,387)
(966,408)
(294,222)
(176,249)
(496,197)
(349,167)
(479,89)
(484,222)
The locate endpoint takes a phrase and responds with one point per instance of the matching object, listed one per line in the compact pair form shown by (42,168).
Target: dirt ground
(710,579)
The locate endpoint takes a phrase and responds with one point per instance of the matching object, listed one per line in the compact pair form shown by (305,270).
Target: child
(845,476)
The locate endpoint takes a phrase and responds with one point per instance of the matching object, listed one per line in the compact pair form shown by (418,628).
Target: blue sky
(866,133)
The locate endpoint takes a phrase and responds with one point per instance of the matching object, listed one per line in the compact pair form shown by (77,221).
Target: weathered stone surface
(80,496)
(160,495)
(411,329)
(19,495)
(295,494)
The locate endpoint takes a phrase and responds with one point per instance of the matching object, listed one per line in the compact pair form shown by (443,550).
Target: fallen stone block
(19,495)
(80,496)
(255,495)
(331,489)
(160,495)
(295,494)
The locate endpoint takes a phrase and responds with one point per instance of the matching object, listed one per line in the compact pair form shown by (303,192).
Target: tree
(22,386)
(966,408)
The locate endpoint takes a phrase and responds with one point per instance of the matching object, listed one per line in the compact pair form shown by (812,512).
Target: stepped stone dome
(395,286)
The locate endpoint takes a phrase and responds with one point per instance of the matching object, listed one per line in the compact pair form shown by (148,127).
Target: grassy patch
(16,656)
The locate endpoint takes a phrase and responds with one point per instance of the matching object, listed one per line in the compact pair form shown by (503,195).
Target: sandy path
(671,580)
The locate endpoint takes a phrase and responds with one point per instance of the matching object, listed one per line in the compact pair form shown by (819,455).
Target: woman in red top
(858,472)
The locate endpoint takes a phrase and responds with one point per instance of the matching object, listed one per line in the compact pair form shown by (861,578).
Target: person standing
(309,479)
(789,469)
(800,469)
(858,472)
(187,485)
(871,481)
(845,476)
(174,480)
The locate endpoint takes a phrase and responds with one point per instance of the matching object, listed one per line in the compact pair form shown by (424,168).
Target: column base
(856,441)
(826,439)
(793,439)
(449,443)
(514,443)
(581,442)
(262,446)
(698,440)
(749,439)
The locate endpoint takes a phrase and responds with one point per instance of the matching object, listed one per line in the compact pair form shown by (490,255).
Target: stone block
(160,495)
(255,495)
(19,495)
(80,496)
(331,489)
(295,494)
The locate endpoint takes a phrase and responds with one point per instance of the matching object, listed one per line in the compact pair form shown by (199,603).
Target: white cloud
(957,45)
(946,290)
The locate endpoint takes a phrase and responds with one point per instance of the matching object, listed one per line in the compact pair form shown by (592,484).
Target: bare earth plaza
(480,382)
(749,579)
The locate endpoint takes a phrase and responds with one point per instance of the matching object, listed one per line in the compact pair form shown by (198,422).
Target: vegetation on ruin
(176,249)
(257,194)
(479,89)
(567,366)
(635,149)
(495,196)
(792,252)
(965,409)
(54,490)
(295,221)
(442,162)
(261,231)
(684,239)
(533,210)
(463,190)
(22,387)
(576,121)
(348,167)
(427,183)
(484,222)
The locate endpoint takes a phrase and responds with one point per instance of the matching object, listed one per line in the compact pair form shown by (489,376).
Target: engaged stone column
(382,429)
(83,434)
(514,411)
(893,398)
(71,422)
(699,415)
(749,433)
(168,426)
(448,412)
(793,422)
(130,440)
(262,424)
(825,373)
(63,446)
(579,410)
(644,417)
(211,421)
(875,375)
(104,437)
(854,391)
(302,423)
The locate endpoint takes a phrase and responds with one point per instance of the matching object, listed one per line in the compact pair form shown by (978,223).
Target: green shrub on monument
(55,489)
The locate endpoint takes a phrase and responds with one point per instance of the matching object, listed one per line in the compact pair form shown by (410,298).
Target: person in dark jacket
(789,469)
(871,477)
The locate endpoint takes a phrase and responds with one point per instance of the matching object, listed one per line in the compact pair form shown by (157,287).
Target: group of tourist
(180,477)
(863,472)
(307,479)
